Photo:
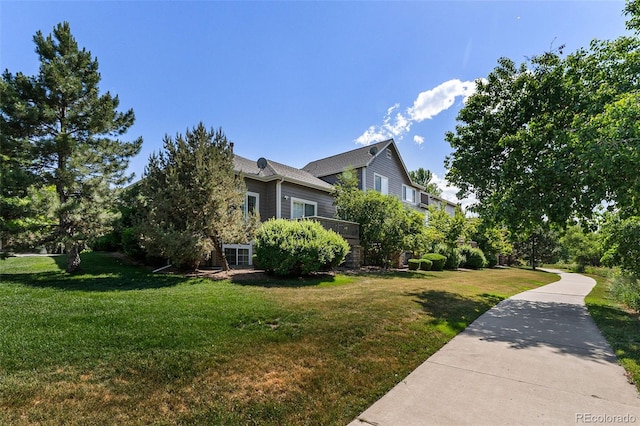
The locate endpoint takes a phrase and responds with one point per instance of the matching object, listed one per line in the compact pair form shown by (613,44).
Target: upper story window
(408,194)
(381,183)
(303,208)
(251,203)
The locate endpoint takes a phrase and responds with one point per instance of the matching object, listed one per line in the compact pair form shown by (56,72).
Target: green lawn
(118,344)
(620,326)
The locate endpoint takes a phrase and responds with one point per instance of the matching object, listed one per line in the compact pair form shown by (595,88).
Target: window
(302,208)
(408,194)
(380,183)
(237,255)
(251,203)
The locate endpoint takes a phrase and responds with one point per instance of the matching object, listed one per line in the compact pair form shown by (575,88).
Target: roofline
(286,179)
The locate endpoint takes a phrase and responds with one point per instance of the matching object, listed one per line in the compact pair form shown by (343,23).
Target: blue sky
(298,81)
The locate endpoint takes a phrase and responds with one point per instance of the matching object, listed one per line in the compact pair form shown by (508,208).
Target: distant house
(378,167)
(276,190)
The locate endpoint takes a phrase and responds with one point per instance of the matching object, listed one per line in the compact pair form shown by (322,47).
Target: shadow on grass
(100,272)
(452,309)
(261,279)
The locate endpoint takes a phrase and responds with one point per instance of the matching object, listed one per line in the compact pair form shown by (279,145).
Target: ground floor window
(238,255)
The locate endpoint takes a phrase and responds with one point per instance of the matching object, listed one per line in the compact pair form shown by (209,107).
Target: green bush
(107,242)
(289,247)
(131,243)
(473,257)
(425,264)
(626,289)
(414,264)
(492,260)
(437,260)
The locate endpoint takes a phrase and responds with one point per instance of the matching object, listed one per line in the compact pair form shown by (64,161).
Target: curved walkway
(535,358)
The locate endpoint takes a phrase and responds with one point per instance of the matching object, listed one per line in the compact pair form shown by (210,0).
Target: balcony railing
(350,231)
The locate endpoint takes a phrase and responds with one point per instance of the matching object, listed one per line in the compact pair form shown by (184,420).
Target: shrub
(286,247)
(414,264)
(425,264)
(107,242)
(473,257)
(626,289)
(131,243)
(437,261)
(492,260)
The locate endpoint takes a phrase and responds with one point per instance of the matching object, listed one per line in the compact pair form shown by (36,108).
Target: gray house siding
(393,169)
(323,199)
(267,192)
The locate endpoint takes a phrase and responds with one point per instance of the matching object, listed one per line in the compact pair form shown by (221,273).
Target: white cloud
(427,105)
(432,102)
(371,135)
(418,139)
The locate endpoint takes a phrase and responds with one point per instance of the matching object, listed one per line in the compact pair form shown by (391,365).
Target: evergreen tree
(194,199)
(59,131)
(423,178)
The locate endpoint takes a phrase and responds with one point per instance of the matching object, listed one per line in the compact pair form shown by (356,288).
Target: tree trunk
(73,258)
(533,252)
(224,263)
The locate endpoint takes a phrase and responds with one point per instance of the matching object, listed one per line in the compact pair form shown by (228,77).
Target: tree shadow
(566,328)
(261,279)
(452,309)
(99,273)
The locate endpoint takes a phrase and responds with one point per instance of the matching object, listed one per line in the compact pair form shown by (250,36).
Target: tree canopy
(554,137)
(387,227)
(58,131)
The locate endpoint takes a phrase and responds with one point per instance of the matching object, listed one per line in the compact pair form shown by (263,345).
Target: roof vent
(262,163)
(373,150)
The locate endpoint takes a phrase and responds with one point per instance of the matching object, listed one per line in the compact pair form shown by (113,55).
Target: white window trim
(406,189)
(300,200)
(246,202)
(241,246)
(383,189)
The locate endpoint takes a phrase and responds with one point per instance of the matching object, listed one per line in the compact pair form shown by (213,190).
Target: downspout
(279,199)
(364,178)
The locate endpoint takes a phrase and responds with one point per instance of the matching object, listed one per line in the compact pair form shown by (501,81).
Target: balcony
(350,231)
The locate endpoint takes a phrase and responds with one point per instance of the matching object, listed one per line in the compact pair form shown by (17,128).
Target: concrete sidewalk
(536,358)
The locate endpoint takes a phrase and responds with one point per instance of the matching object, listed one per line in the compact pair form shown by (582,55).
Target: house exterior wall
(266,203)
(393,170)
(324,200)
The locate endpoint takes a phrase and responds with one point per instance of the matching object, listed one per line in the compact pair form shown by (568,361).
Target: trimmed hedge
(437,261)
(425,264)
(291,247)
(414,264)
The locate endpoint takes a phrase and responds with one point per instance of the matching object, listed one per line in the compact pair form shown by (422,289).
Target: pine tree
(194,199)
(69,135)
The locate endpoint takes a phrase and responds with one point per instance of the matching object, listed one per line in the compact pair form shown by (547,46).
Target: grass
(118,344)
(620,326)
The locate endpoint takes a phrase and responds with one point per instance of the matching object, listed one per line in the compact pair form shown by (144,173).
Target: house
(378,167)
(276,190)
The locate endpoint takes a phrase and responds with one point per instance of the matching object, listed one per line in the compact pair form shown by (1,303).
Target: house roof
(360,157)
(274,170)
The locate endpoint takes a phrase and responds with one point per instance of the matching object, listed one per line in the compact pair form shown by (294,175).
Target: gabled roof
(275,171)
(360,157)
